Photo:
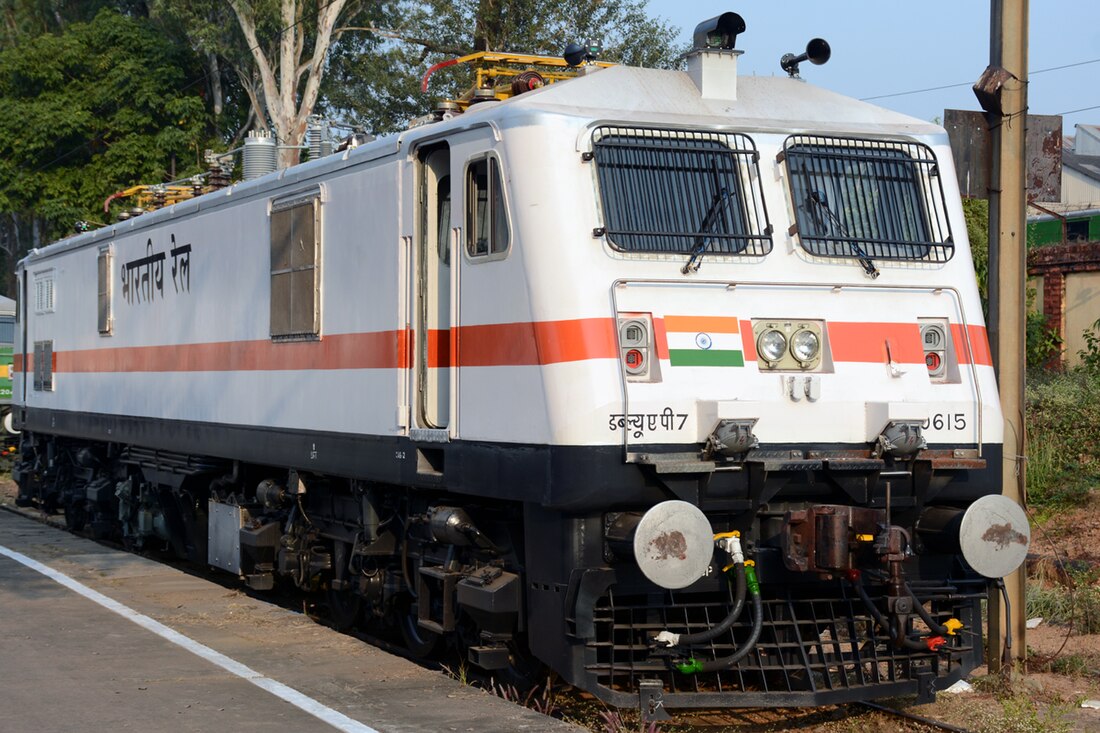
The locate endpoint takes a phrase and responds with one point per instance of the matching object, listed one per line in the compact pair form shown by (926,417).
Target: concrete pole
(1007,301)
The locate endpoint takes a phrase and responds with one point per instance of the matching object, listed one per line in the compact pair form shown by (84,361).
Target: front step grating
(817,640)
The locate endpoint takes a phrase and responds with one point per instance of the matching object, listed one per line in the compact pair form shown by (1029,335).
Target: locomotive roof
(619,94)
(763,103)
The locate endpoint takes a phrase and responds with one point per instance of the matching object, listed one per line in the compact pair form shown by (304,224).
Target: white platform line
(304,702)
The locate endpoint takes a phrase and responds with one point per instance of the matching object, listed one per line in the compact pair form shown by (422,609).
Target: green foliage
(22,20)
(211,28)
(98,107)
(1078,606)
(976,212)
(1063,424)
(1042,343)
(1090,355)
(1023,715)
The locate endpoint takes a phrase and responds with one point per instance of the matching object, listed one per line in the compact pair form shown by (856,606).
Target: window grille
(680,192)
(295,270)
(44,293)
(43,365)
(867,199)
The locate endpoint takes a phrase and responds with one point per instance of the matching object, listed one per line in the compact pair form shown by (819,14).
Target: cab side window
(487,231)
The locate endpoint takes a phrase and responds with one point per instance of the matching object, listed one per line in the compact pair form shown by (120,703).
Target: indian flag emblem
(704,341)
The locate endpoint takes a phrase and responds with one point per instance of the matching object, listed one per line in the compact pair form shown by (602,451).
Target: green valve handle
(750,580)
(690,667)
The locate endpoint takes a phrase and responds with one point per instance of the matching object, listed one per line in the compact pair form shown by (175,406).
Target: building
(1067,277)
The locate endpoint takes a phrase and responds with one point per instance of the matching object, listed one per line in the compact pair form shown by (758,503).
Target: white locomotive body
(452,377)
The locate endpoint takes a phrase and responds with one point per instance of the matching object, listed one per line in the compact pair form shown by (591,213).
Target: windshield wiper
(721,196)
(865,261)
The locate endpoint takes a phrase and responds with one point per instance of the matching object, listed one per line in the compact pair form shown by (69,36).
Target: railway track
(930,722)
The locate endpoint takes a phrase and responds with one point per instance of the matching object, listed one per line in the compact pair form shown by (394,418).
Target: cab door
(434,277)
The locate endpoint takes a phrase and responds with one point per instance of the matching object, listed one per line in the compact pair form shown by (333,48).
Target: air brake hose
(731,543)
(934,627)
(693,666)
(895,637)
(724,625)
(1007,657)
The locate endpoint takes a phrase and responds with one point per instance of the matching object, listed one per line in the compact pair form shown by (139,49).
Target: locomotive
(676,383)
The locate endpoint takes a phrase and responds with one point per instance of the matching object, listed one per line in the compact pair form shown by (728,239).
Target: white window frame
(45,291)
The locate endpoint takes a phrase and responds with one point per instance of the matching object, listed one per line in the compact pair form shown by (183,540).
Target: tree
(209,27)
(382,51)
(90,110)
(22,20)
(276,49)
(290,81)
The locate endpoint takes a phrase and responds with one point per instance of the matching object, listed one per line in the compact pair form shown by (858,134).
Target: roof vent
(712,62)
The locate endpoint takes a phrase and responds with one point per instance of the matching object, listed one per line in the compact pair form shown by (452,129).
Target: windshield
(680,192)
(867,199)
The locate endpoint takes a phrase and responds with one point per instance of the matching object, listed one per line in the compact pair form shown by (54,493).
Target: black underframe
(568,478)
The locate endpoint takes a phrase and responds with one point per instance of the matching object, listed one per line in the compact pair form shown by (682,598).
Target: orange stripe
(979,342)
(504,344)
(748,345)
(381,350)
(866,342)
(439,348)
(695,324)
(660,337)
(546,342)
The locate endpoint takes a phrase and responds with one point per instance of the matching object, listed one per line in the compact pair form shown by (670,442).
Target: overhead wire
(970,83)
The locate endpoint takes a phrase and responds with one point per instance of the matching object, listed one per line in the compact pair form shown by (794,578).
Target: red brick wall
(1053,264)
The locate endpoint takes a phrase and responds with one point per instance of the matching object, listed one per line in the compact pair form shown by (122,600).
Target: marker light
(933,336)
(634,346)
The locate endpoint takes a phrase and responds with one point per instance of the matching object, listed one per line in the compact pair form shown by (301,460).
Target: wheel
(420,642)
(344,608)
(524,671)
(75,516)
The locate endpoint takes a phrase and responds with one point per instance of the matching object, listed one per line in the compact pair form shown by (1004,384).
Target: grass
(1014,709)
(1063,424)
(1077,606)
(1075,665)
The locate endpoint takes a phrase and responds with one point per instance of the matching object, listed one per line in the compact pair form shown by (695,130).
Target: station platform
(93,638)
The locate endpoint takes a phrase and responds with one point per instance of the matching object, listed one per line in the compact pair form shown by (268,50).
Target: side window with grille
(487,232)
(43,366)
(295,267)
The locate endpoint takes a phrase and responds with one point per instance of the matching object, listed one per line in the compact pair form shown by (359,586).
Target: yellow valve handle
(952,625)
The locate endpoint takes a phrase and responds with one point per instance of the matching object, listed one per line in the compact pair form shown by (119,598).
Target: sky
(886,47)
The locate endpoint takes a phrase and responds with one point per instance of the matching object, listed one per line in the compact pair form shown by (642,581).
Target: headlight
(805,345)
(771,345)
